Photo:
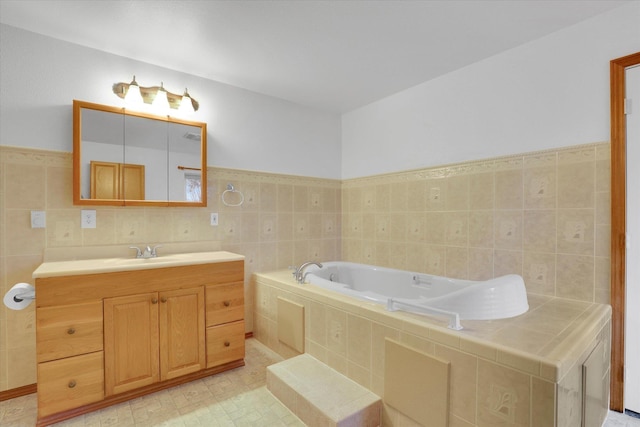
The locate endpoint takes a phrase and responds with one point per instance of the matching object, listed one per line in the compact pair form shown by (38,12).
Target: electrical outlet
(88,219)
(214,218)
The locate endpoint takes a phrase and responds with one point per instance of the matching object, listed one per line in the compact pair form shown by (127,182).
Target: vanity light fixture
(135,94)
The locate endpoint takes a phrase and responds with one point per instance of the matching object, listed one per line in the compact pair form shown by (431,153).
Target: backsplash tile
(542,215)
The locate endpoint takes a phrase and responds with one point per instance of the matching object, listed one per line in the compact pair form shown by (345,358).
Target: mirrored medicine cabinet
(128,158)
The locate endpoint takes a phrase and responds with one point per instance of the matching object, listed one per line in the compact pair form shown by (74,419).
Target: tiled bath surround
(285,220)
(545,216)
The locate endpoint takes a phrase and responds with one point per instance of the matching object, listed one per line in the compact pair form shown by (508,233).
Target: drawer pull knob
(72,383)
(227,303)
(227,343)
(71,331)
(163,299)
(154,300)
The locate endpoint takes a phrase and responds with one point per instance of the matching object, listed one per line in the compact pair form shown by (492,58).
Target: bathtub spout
(299,274)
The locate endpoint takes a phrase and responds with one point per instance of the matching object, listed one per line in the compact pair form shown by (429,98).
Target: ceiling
(331,55)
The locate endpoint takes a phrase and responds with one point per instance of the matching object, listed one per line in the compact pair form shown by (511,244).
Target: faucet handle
(294,270)
(138,251)
(153,251)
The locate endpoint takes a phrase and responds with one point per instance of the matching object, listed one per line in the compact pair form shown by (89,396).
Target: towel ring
(231,189)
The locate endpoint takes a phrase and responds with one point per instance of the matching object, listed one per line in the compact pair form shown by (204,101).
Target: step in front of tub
(321,396)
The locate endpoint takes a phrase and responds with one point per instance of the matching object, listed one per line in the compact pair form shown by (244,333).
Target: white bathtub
(498,298)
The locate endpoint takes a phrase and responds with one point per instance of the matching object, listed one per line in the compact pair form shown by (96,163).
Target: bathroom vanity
(108,330)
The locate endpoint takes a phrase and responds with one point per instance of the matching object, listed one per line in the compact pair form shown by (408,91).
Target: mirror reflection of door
(118,181)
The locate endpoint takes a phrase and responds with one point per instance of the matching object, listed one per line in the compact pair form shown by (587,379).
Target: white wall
(549,93)
(40,76)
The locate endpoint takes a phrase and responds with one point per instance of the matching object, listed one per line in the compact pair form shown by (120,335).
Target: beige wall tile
(503,396)
(436,196)
(457,193)
(539,273)
(480,264)
(398,198)
(378,334)
(481,191)
(540,183)
(359,341)
(59,187)
(457,229)
(508,193)
(507,262)
(464,376)
(543,395)
(481,233)
(382,197)
(416,196)
(575,277)
(336,331)
(21,363)
(20,238)
(575,231)
(457,262)
(576,183)
(539,234)
(508,229)
(27,189)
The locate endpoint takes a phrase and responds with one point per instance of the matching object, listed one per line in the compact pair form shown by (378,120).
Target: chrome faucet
(299,273)
(147,253)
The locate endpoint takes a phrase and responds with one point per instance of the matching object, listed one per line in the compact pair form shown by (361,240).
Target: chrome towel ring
(231,189)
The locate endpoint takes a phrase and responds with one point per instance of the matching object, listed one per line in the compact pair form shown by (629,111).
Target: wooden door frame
(618,225)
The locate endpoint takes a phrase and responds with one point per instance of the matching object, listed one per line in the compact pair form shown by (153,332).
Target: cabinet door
(182,332)
(105,180)
(131,342)
(132,180)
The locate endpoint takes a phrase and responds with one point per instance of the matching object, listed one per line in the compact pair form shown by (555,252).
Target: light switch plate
(38,219)
(88,219)
(214,218)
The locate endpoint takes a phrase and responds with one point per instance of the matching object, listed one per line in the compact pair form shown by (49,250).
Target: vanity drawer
(225,303)
(225,343)
(68,330)
(68,383)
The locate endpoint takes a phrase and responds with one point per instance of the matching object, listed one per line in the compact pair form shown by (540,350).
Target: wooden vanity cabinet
(105,338)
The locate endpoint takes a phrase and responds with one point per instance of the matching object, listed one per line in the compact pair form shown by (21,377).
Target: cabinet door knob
(227,343)
(227,303)
(163,299)
(72,383)
(154,300)
(71,331)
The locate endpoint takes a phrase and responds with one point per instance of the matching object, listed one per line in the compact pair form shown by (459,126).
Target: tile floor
(234,398)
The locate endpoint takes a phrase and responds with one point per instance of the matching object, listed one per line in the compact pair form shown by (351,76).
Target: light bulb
(133,96)
(161,102)
(186,106)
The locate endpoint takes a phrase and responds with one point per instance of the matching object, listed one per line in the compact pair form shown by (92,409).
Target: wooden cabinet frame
(180,303)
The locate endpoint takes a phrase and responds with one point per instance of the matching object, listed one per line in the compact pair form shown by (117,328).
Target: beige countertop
(108,265)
